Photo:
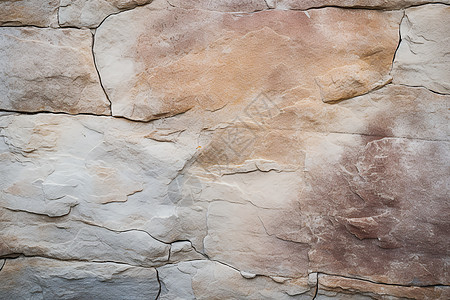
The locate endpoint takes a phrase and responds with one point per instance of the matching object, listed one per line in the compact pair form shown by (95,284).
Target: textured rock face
(212,280)
(422,57)
(90,13)
(223,5)
(252,151)
(29,12)
(392,4)
(336,287)
(216,56)
(42,278)
(49,70)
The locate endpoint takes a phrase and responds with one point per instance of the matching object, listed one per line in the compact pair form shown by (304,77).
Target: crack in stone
(42,112)
(232,12)
(101,22)
(98,73)
(316,286)
(2,264)
(317,274)
(151,121)
(420,86)
(362,7)
(159,283)
(18,255)
(40,27)
(383,283)
(399,42)
(42,214)
(123,231)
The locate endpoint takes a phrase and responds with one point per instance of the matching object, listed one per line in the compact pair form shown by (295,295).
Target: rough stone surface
(222,5)
(49,70)
(29,12)
(391,4)
(423,57)
(73,169)
(181,59)
(251,153)
(212,280)
(335,287)
(41,278)
(90,13)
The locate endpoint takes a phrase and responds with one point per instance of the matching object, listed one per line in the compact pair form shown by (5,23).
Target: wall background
(224,149)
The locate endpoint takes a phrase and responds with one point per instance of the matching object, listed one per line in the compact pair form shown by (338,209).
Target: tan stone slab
(90,13)
(29,12)
(176,60)
(42,278)
(423,56)
(336,287)
(380,4)
(49,70)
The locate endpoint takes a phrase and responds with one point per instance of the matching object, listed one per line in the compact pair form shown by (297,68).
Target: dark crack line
(2,264)
(316,292)
(57,12)
(159,283)
(98,73)
(193,247)
(43,27)
(53,113)
(384,283)
(225,12)
(44,112)
(13,256)
(374,8)
(424,87)
(123,231)
(41,213)
(399,42)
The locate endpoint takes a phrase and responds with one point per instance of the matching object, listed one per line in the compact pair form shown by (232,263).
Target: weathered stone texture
(212,280)
(336,287)
(390,4)
(29,12)
(41,278)
(177,59)
(49,70)
(222,5)
(250,153)
(423,55)
(90,13)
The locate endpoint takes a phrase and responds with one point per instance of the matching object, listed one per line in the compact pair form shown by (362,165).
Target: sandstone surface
(389,4)
(41,278)
(335,287)
(49,70)
(224,59)
(90,13)
(251,150)
(423,55)
(223,5)
(29,12)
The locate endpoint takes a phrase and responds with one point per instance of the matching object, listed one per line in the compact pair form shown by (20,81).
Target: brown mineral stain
(231,58)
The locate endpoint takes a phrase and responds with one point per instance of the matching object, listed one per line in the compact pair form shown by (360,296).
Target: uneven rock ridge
(257,149)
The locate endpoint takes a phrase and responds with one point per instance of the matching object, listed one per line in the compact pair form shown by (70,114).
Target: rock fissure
(203,149)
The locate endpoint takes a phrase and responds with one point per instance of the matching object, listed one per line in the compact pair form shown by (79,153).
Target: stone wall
(256,149)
